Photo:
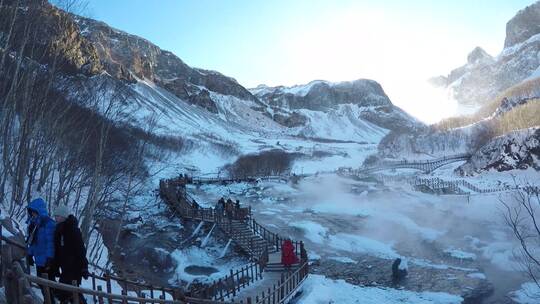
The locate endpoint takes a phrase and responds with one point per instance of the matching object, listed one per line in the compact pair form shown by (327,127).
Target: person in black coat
(398,274)
(70,252)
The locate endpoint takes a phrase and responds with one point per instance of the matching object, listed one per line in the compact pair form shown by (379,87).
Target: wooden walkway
(426,166)
(270,281)
(263,280)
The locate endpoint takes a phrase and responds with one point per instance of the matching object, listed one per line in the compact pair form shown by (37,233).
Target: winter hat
(62,211)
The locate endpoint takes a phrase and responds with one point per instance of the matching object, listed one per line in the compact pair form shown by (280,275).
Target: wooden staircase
(261,245)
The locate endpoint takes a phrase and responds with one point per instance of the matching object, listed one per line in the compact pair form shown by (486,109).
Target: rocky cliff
(523,26)
(483,77)
(130,57)
(515,150)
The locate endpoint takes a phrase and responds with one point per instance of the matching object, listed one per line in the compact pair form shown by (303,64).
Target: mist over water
(339,217)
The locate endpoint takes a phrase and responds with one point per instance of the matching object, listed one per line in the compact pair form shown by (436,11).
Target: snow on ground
(360,244)
(477,275)
(319,290)
(343,259)
(459,254)
(342,123)
(528,294)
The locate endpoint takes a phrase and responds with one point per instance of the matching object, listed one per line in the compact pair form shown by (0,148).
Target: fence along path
(426,166)
(18,284)
(259,243)
(201,180)
(435,183)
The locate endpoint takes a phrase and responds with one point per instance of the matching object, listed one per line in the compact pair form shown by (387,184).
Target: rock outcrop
(56,39)
(130,57)
(484,77)
(523,26)
(374,106)
(515,150)
(322,95)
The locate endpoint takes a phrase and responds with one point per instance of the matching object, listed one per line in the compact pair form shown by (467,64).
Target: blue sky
(398,43)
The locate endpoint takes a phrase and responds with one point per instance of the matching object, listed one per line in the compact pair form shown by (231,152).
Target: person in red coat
(288,257)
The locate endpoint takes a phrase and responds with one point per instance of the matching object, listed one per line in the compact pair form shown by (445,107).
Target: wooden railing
(18,286)
(424,165)
(436,183)
(285,287)
(231,284)
(273,238)
(248,179)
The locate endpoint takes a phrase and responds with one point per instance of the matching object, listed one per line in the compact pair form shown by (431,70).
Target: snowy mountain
(348,111)
(214,117)
(354,105)
(483,77)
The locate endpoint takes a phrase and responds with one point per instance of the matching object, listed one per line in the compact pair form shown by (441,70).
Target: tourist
(399,271)
(70,252)
(288,256)
(40,240)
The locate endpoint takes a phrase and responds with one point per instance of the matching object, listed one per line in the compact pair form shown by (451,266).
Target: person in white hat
(70,252)
(61,213)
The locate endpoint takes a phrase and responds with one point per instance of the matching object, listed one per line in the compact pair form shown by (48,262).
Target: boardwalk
(426,166)
(266,280)
(262,281)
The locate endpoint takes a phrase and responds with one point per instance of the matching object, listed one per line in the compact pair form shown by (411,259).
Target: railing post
(124,293)
(45,288)
(233,286)
(100,297)
(282,289)
(75,294)
(108,285)
(143,296)
(20,291)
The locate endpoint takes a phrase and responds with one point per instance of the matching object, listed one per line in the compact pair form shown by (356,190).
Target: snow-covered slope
(345,111)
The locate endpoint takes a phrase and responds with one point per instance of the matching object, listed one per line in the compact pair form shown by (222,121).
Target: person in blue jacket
(40,240)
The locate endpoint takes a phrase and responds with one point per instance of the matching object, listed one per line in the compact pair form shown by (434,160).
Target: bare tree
(522,215)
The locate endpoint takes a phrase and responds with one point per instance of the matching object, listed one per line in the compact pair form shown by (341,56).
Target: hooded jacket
(70,250)
(288,257)
(40,239)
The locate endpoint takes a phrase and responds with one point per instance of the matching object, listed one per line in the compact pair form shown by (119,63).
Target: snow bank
(360,244)
(458,254)
(314,232)
(318,289)
(528,294)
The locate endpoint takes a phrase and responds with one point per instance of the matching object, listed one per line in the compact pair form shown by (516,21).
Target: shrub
(272,162)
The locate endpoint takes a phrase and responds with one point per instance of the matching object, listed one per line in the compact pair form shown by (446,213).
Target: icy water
(200,270)
(451,243)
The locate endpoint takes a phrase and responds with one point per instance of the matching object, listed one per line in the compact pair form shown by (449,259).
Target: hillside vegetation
(516,108)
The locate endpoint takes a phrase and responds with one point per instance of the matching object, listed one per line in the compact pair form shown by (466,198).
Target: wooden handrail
(120,280)
(301,272)
(74,289)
